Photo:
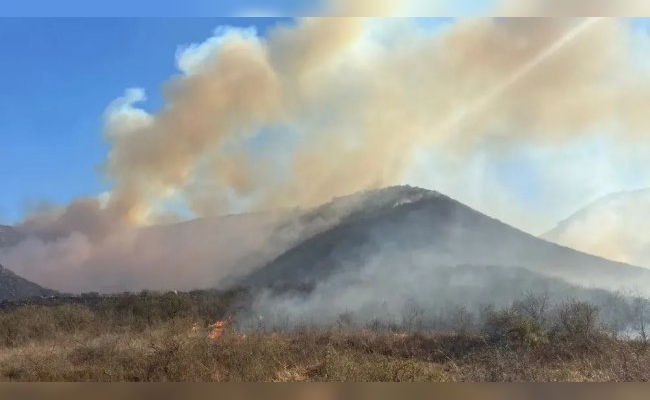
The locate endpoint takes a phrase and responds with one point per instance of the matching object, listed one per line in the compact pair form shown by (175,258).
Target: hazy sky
(58,76)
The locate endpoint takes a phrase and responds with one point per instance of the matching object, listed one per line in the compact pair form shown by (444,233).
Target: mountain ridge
(404,225)
(315,252)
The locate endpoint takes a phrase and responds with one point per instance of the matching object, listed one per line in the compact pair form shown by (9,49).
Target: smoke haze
(609,227)
(329,106)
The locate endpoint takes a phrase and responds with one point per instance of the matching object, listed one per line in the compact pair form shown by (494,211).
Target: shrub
(575,322)
(533,307)
(507,327)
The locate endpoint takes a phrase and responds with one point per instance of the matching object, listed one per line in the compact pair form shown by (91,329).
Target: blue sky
(151,8)
(215,8)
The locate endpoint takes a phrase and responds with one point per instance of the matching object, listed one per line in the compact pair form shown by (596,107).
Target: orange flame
(217,329)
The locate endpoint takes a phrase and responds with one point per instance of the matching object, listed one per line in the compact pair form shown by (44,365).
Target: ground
(167,341)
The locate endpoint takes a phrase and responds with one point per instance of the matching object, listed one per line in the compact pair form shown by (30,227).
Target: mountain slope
(195,254)
(614,226)
(14,287)
(411,228)
(434,295)
(397,230)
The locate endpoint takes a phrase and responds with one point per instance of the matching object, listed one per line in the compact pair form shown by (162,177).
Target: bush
(507,327)
(533,307)
(72,318)
(575,322)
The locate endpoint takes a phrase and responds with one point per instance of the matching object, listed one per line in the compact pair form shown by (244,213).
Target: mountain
(405,230)
(13,287)
(614,226)
(195,254)
(435,295)
(387,237)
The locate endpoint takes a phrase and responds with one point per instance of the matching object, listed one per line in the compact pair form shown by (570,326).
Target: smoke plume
(320,108)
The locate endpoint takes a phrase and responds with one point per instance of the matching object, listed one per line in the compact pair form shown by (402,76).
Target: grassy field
(151,338)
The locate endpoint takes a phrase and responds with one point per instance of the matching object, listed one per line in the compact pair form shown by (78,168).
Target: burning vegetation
(217,328)
(139,339)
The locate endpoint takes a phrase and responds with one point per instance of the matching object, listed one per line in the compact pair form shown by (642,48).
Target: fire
(216,329)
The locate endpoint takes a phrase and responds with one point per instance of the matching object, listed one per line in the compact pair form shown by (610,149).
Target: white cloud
(191,58)
(121,117)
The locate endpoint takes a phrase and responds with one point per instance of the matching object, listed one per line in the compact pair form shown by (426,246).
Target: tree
(640,314)
(576,321)
(533,307)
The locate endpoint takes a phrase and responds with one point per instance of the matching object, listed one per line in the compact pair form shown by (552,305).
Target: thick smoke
(318,109)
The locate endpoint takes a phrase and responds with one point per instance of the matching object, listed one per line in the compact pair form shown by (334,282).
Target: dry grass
(167,354)
(77,343)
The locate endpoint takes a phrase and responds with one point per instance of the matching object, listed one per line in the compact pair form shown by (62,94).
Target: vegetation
(149,337)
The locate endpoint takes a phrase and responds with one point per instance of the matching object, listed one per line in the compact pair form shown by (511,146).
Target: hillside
(613,226)
(14,287)
(405,229)
(383,238)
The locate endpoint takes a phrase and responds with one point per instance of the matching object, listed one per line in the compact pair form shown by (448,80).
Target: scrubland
(167,337)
